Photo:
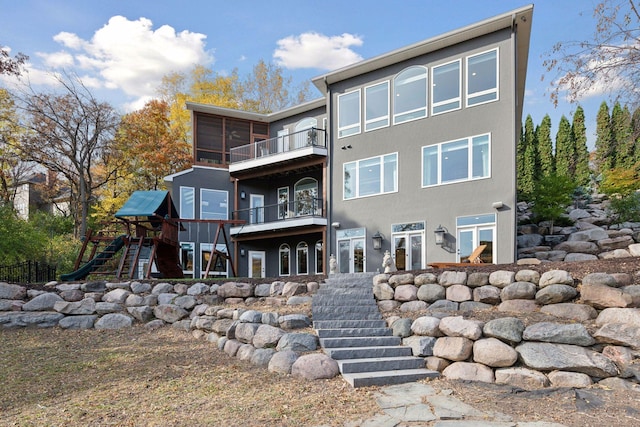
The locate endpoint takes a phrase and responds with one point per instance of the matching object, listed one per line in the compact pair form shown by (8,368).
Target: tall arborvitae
(622,135)
(545,148)
(565,149)
(635,132)
(526,181)
(579,136)
(605,145)
(520,148)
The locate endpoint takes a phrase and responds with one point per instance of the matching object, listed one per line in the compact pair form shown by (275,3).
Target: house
(32,194)
(411,152)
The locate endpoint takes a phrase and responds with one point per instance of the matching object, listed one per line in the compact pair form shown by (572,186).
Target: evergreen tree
(604,140)
(579,136)
(635,133)
(520,149)
(526,182)
(565,149)
(622,135)
(545,148)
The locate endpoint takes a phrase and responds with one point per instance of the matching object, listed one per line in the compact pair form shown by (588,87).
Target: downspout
(329,168)
(516,138)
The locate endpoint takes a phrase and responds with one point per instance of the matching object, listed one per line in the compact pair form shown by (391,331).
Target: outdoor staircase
(352,331)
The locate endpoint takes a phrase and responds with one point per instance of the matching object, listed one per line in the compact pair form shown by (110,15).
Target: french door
(351,250)
(257,264)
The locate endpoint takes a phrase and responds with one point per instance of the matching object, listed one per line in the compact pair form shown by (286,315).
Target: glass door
(351,250)
(257,264)
(256,214)
(471,238)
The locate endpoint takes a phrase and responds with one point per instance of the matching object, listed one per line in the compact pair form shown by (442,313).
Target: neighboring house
(418,144)
(28,198)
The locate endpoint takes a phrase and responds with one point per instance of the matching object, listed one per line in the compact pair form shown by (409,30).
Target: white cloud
(313,50)
(129,55)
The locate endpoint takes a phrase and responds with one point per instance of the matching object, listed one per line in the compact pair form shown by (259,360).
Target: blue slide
(97,261)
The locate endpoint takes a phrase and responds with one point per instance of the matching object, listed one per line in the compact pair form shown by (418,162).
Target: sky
(122,48)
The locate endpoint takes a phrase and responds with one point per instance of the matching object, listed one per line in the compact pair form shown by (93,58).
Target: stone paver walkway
(416,404)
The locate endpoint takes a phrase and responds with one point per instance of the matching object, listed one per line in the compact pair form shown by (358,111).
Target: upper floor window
(482,78)
(214,204)
(349,114)
(187,203)
(376,102)
(368,177)
(410,95)
(454,161)
(446,93)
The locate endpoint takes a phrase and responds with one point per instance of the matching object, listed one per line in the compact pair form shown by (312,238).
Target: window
(219,263)
(482,78)
(302,252)
(319,257)
(446,87)
(410,95)
(376,102)
(303,139)
(305,193)
(476,230)
(368,177)
(213,204)
(187,202)
(454,161)
(349,114)
(283,203)
(285,253)
(186,257)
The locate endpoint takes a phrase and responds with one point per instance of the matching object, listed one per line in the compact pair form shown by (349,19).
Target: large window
(187,203)
(368,177)
(302,255)
(218,266)
(454,161)
(285,254)
(376,101)
(349,114)
(214,204)
(410,95)
(446,93)
(482,78)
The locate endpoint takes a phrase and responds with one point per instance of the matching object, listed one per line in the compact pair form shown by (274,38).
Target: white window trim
(426,97)
(281,249)
(355,125)
(376,119)
(469,163)
(315,252)
(475,227)
(485,92)
(298,248)
(357,177)
(204,247)
(447,101)
(182,210)
(202,190)
(193,261)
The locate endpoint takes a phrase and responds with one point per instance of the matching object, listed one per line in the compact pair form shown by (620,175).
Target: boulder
(426,326)
(267,336)
(170,313)
(413,306)
(518,290)
(404,293)
(401,279)
(477,279)
(578,257)
(143,313)
(431,292)
(501,278)
(525,275)
(573,333)
(298,342)
(467,371)
(114,321)
(315,366)
(402,327)
(457,326)
(459,293)
(521,378)
(140,288)
(453,348)
(579,312)
(245,352)
(555,277)
(262,290)
(262,356)
(388,305)
(198,289)
(40,319)
(235,290)
(600,279)
(420,346)
(78,322)
(251,316)
(246,331)
(518,306)
(430,278)
(282,361)
(495,353)
(565,357)
(602,297)
(292,288)
(449,278)
(294,321)
(232,346)
(12,292)
(578,247)
(619,333)
(116,296)
(569,379)
(508,329)
(487,294)
(383,291)
(43,302)
(590,235)
(554,294)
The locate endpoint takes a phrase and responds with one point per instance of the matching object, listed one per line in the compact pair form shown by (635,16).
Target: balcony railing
(312,137)
(308,207)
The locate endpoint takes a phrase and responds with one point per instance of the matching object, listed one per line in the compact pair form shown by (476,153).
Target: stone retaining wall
(538,330)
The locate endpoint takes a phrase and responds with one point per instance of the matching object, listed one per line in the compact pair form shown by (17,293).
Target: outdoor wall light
(243,195)
(497,205)
(439,233)
(377,241)
(242,252)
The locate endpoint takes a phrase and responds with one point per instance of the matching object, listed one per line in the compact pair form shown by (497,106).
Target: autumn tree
(565,149)
(582,172)
(545,147)
(608,61)
(68,132)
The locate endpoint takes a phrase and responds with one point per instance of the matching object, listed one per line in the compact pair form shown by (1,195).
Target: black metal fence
(28,272)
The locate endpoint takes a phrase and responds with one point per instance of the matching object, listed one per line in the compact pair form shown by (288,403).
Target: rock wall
(592,236)
(267,339)
(519,328)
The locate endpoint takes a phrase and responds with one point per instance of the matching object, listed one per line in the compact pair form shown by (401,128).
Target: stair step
(342,342)
(368,352)
(349,323)
(346,316)
(377,364)
(354,332)
(365,379)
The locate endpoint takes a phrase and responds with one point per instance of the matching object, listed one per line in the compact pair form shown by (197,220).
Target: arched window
(302,138)
(319,257)
(410,94)
(302,255)
(285,253)
(306,197)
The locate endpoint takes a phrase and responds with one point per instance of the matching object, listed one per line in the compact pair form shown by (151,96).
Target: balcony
(278,154)
(282,217)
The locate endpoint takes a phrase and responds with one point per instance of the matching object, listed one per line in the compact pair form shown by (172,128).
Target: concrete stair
(352,331)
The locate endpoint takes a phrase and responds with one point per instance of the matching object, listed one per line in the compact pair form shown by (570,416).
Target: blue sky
(122,48)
